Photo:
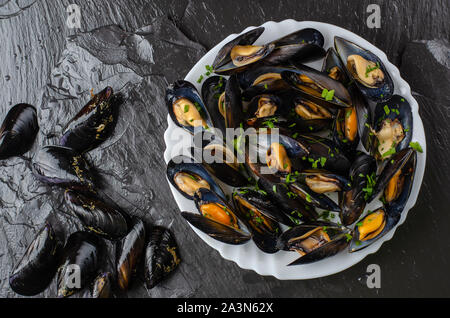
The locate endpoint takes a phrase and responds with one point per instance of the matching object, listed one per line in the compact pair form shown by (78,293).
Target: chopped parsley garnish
(200,79)
(348,236)
(389,152)
(386,109)
(416,146)
(370,69)
(186,108)
(328,95)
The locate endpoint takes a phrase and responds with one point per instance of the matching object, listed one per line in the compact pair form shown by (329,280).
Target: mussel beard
(187,113)
(366,72)
(309,241)
(189,183)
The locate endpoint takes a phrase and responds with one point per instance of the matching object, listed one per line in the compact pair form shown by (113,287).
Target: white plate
(248,256)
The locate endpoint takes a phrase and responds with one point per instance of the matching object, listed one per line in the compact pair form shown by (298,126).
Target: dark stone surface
(53,67)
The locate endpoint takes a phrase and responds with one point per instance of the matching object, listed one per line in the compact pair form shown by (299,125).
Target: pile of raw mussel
(79,263)
(339,129)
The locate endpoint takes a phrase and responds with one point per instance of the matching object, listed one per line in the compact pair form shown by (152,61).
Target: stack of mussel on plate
(341,129)
(80,263)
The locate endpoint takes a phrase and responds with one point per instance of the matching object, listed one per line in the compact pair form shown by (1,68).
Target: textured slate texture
(138,47)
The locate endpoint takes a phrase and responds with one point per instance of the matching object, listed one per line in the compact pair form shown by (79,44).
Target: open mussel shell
(187,176)
(393,127)
(372,227)
(314,241)
(364,116)
(262,106)
(248,38)
(332,65)
(93,124)
(102,286)
(128,253)
(322,181)
(396,179)
(324,153)
(303,46)
(360,65)
(318,87)
(217,219)
(18,131)
(313,198)
(213,90)
(260,219)
(353,201)
(96,215)
(80,262)
(186,107)
(62,166)
(37,267)
(162,256)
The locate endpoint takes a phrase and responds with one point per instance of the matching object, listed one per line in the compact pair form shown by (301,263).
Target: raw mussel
(366,69)
(96,215)
(62,166)
(18,131)
(314,241)
(93,124)
(162,256)
(128,254)
(392,127)
(80,262)
(217,219)
(186,108)
(37,267)
(353,201)
(187,176)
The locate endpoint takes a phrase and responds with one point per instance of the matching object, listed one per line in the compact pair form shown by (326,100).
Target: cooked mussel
(345,130)
(392,127)
(96,215)
(260,217)
(80,262)
(62,166)
(18,131)
(366,69)
(128,253)
(162,256)
(353,201)
(213,94)
(318,87)
(187,176)
(37,267)
(314,241)
(322,181)
(217,218)
(223,56)
(333,66)
(93,124)
(185,106)
(262,106)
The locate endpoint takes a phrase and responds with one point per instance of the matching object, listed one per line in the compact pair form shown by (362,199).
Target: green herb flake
(186,108)
(416,146)
(386,109)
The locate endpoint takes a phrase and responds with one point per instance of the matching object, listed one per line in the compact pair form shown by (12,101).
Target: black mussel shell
(353,201)
(262,106)
(322,181)
(212,89)
(338,235)
(396,110)
(128,254)
(162,256)
(312,198)
(364,116)
(18,131)
(62,166)
(321,84)
(381,92)
(332,65)
(93,124)
(345,130)
(304,46)
(323,153)
(405,161)
(102,286)
(37,267)
(390,220)
(233,110)
(96,215)
(183,90)
(263,75)
(81,259)
(289,125)
(187,165)
(248,38)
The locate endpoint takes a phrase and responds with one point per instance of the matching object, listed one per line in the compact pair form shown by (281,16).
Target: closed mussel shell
(93,124)
(129,251)
(102,286)
(96,215)
(18,131)
(162,256)
(62,166)
(332,65)
(80,262)
(314,241)
(213,90)
(37,267)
